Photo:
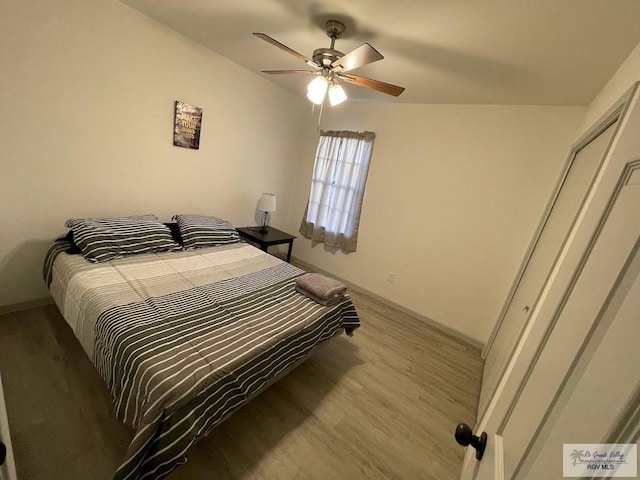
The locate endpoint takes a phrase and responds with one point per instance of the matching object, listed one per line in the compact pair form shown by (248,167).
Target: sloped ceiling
(530,52)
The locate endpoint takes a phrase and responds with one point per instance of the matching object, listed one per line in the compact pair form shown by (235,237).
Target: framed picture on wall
(187,121)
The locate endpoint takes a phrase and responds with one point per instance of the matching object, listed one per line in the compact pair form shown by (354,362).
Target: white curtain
(337,188)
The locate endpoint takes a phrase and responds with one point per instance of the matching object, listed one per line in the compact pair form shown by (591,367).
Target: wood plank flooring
(380,405)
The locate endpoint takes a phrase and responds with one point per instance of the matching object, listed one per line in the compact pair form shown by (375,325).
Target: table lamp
(267,204)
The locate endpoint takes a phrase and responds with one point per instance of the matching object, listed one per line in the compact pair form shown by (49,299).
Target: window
(337,188)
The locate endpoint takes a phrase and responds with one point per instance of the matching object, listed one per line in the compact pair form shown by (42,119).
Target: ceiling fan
(331,66)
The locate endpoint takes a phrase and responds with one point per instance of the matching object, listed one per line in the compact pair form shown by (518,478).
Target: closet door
(551,236)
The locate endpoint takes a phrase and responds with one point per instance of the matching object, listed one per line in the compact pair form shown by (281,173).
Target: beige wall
(453,198)
(454,193)
(617,85)
(86,94)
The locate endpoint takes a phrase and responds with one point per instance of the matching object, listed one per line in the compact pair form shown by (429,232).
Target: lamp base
(265,222)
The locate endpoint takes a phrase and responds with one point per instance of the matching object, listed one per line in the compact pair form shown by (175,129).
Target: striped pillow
(203,231)
(104,239)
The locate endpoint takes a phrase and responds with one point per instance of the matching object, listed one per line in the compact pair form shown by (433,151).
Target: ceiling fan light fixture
(317,89)
(337,95)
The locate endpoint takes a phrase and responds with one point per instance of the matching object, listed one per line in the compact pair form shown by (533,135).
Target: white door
(600,400)
(7,463)
(597,401)
(539,262)
(597,252)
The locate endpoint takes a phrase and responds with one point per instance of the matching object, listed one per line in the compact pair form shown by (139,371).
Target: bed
(184,338)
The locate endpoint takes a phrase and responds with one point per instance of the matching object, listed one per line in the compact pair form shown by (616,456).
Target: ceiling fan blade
(383,87)
(358,57)
(290,51)
(290,72)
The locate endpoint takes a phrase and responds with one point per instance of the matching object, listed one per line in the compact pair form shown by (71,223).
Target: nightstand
(265,240)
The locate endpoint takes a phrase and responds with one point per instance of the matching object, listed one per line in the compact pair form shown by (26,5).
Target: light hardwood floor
(382,404)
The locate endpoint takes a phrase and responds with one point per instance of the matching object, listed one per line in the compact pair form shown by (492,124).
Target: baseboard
(471,341)
(17,307)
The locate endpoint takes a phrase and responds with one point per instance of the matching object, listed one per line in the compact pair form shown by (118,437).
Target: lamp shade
(267,202)
(317,89)
(337,95)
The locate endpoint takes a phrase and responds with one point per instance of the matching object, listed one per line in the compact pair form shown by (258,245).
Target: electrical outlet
(391,277)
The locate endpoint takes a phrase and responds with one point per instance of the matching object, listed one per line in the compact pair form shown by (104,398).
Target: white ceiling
(544,52)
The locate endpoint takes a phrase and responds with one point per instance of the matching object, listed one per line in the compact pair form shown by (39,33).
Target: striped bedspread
(183,339)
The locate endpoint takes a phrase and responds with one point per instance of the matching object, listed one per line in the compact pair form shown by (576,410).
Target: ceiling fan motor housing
(326,56)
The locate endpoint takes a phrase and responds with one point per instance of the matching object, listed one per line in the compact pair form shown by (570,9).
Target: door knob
(465,437)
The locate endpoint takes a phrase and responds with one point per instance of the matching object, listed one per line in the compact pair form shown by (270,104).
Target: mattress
(183,339)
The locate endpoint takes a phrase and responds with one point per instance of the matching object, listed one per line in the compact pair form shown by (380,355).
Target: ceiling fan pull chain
(320,115)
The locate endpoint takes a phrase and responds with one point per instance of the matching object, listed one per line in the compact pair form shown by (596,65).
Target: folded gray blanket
(327,302)
(321,289)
